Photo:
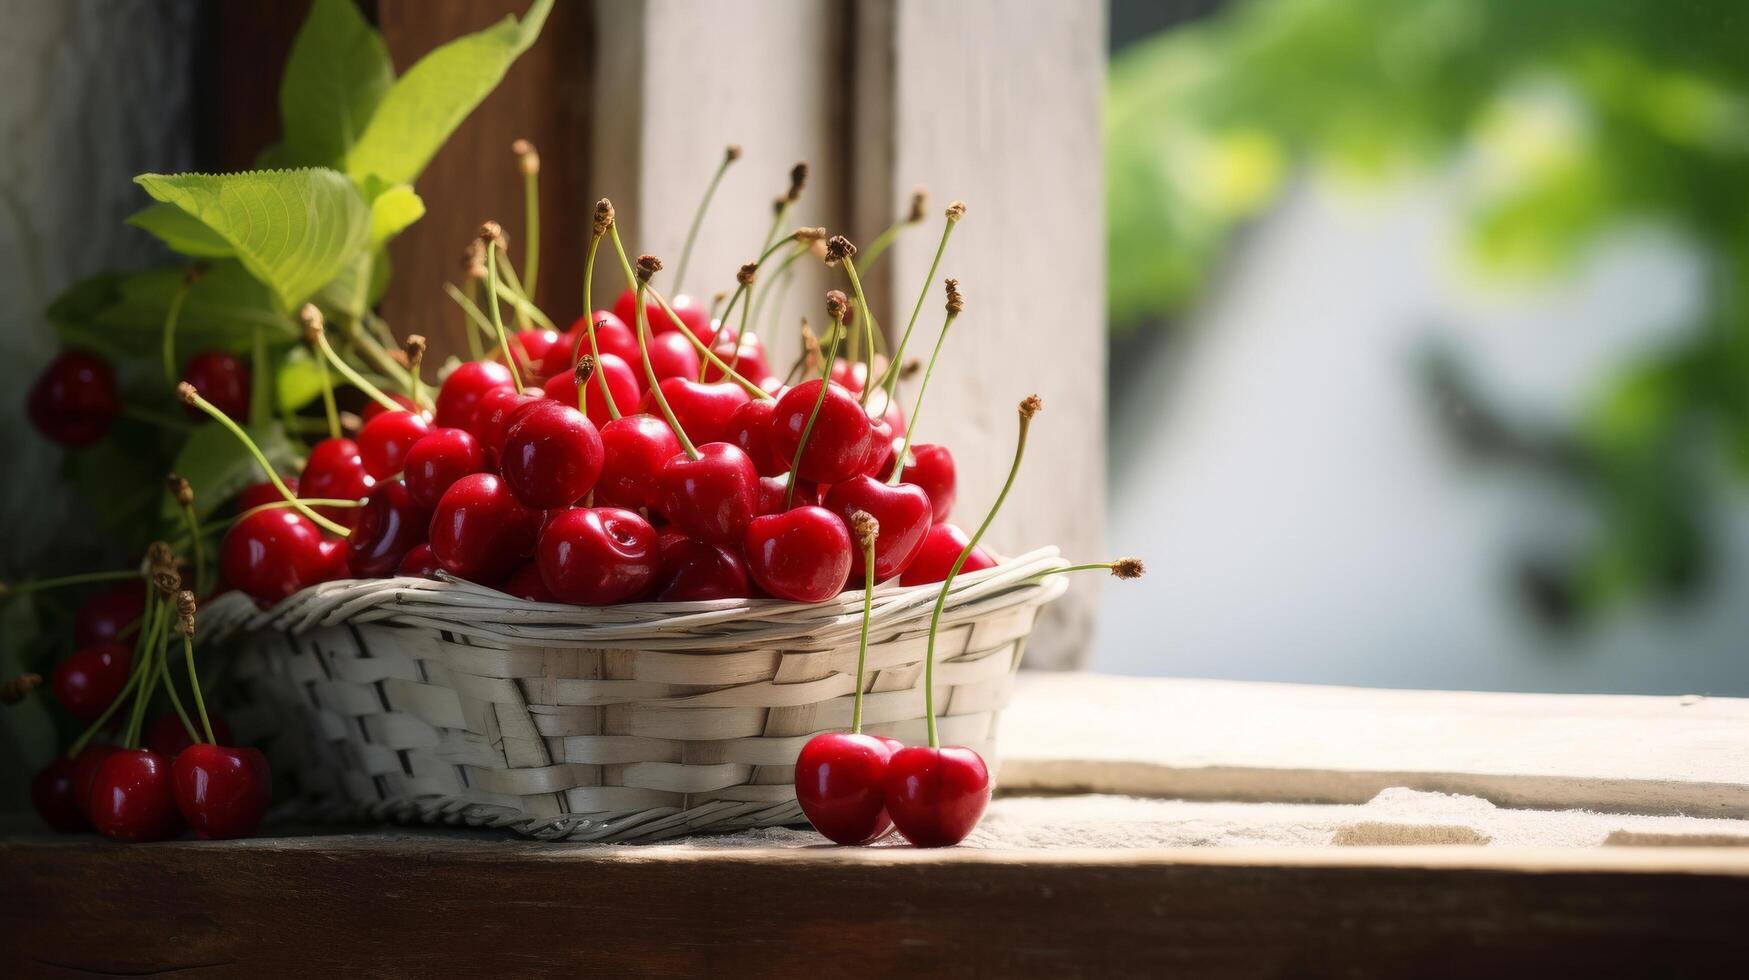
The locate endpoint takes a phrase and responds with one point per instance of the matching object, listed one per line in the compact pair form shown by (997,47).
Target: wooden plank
(423,905)
(1002,109)
(1229,740)
(237,110)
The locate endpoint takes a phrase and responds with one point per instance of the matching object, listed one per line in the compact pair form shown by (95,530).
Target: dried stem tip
(798,178)
(919,202)
(956,210)
(491,233)
(180,489)
(836,304)
(185,612)
(910,369)
(474,260)
(14,689)
(159,555)
(311,318)
(1127,568)
(186,392)
(811,347)
(866,528)
(603,217)
(809,234)
(838,248)
(585,368)
(731,153)
(526,156)
(955,301)
(167,581)
(192,273)
(1030,405)
(745,276)
(415,348)
(648,265)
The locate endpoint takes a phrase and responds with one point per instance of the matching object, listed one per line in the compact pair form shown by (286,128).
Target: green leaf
(292,229)
(336,74)
(392,208)
(216,465)
(299,381)
(124,315)
(426,105)
(181,231)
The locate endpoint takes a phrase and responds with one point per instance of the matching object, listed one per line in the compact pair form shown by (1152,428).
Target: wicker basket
(446,702)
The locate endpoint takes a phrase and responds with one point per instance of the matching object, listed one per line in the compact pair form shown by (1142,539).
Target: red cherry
(879,463)
(693,317)
(103,616)
(625,306)
(749,426)
(51,792)
(552,456)
(85,766)
(703,410)
(480,531)
(334,560)
(750,363)
(221,379)
(272,553)
(622,384)
(611,337)
(74,400)
(773,490)
(841,785)
(461,391)
(168,738)
(839,441)
(532,348)
(802,555)
(335,470)
(492,417)
(712,497)
(694,570)
(940,549)
(373,408)
(222,792)
(904,515)
(419,563)
(257,494)
(635,447)
(936,796)
(90,678)
(672,357)
(527,584)
(851,374)
(931,467)
(132,798)
(389,524)
(616,338)
(384,441)
(596,556)
(438,460)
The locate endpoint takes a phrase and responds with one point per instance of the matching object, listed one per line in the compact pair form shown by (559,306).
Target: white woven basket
(447,702)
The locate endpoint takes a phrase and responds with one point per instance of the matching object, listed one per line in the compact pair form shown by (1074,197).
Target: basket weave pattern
(445,702)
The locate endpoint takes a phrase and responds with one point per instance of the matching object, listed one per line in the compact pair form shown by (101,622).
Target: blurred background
(1430,342)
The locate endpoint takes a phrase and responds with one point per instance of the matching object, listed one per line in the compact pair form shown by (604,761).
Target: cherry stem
(148,645)
(154,418)
(147,620)
(214,527)
(196,544)
(890,378)
(643,325)
(319,336)
(169,686)
(589,331)
(522,301)
(868,584)
(917,407)
(471,315)
(173,316)
(531,224)
(206,722)
(958,563)
(866,322)
(795,466)
(82,578)
(497,315)
(698,218)
(372,352)
(330,409)
(190,395)
(771,284)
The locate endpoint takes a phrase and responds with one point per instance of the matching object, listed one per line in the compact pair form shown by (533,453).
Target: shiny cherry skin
(132,798)
(612,336)
(480,531)
(749,360)
(695,571)
(527,584)
(84,772)
(419,562)
(221,378)
(904,514)
(270,554)
(74,400)
(552,456)
(712,497)
(597,556)
(853,375)
(168,738)
(257,494)
(839,442)
(936,796)
(749,426)
(773,490)
(335,470)
(51,793)
(334,560)
(532,348)
(693,317)
(222,792)
(802,554)
(373,408)
(941,548)
(90,678)
(438,460)
(703,410)
(389,524)
(622,385)
(384,441)
(841,785)
(672,357)
(879,461)
(492,418)
(102,617)
(461,391)
(931,467)
(636,447)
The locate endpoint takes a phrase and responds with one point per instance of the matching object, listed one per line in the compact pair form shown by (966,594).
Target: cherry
(85,766)
(612,336)
(102,617)
(840,783)
(132,798)
(931,467)
(635,447)
(881,448)
(90,678)
(774,491)
(527,584)
(222,792)
(480,531)
(373,408)
(903,511)
(389,524)
(622,384)
(270,554)
(168,737)
(461,391)
(749,426)
(802,554)
(625,306)
(335,470)
(748,360)
(384,441)
(532,348)
(419,562)
(74,400)
(258,494)
(51,792)
(936,795)
(694,570)
(596,556)
(703,410)
(552,455)
(712,497)
(853,375)
(222,379)
(438,460)
(693,317)
(493,416)
(839,442)
(335,560)
(672,357)
(940,549)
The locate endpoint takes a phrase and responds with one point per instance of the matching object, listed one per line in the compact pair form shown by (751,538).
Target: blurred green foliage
(1566,117)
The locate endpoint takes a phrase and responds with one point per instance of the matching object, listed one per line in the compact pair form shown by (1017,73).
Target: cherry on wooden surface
(221,792)
(52,794)
(936,795)
(841,785)
(132,797)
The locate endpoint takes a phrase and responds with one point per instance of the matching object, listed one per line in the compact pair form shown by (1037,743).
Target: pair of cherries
(74,401)
(855,787)
(146,794)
